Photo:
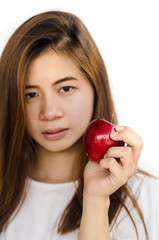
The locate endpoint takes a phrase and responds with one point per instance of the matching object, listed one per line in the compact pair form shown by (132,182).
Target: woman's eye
(31,95)
(65,89)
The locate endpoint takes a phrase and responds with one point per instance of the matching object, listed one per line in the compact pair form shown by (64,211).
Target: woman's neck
(56,167)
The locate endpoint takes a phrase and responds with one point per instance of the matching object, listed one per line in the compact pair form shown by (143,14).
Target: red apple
(97,139)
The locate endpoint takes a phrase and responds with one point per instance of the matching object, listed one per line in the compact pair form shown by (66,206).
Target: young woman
(53,82)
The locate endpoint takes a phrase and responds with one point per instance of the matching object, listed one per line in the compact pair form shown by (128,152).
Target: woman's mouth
(54,134)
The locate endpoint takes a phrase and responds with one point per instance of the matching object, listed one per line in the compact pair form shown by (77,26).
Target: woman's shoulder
(145,187)
(144,182)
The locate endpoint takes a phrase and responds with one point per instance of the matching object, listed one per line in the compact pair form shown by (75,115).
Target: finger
(130,137)
(115,170)
(125,154)
(127,135)
(127,161)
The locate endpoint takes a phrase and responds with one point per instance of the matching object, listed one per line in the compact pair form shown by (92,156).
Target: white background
(127,35)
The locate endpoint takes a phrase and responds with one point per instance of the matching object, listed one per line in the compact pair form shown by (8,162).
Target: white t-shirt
(146,190)
(39,215)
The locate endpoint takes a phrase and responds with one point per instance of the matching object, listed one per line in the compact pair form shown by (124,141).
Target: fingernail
(119,128)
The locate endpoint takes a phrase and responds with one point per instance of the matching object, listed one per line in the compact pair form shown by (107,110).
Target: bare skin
(57,100)
(103,179)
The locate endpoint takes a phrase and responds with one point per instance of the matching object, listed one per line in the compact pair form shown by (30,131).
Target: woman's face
(59,102)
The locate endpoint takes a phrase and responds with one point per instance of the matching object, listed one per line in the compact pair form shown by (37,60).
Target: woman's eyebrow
(55,83)
(31,86)
(64,79)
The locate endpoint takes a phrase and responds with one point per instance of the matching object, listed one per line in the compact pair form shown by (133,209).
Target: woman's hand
(101,180)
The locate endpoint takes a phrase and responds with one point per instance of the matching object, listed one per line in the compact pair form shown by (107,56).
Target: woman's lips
(54,134)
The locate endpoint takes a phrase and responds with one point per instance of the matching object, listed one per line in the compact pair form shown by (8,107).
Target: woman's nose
(50,109)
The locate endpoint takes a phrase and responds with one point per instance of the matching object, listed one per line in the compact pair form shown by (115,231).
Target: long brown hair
(64,33)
